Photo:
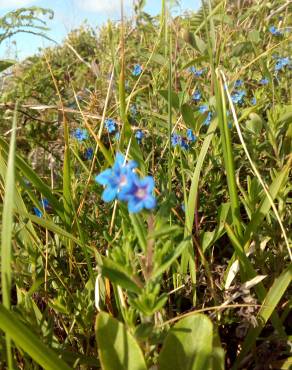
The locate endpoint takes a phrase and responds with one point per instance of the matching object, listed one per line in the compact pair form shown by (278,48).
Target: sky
(69,14)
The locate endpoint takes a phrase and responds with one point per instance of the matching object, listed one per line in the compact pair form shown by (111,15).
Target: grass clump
(147,205)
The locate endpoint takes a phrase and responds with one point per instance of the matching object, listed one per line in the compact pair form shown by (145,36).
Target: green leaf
(286,117)
(120,275)
(168,261)
(188,116)
(7,227)
(29,342)
(200,45)
(193,194)
(242,48)
(117,348)
(254,36)
(194,62)
(174,98)
(7,219)
(255,124)
(139,229)
(157,58)
(188,345)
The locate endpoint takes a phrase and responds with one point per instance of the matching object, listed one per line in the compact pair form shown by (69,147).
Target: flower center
(141,193)
(123,180)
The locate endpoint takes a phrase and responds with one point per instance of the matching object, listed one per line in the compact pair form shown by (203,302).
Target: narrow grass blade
(269,197)
(29,342)
(228,155)
(6,234)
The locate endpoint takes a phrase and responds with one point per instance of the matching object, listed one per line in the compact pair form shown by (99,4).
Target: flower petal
(150,202)
(103,177)
(134,205)
(109,194)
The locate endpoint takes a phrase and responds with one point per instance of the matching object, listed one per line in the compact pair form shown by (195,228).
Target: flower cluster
(122,183)
(281,64)
(139,136)
(44,203)
(238,96)
(88,154)
(238,83)
(80,134)
(191,137)
(178,140)
(197,72)
(137,70)
(110,125)
(205,109)
(264,81)
(274,31)
(196,95)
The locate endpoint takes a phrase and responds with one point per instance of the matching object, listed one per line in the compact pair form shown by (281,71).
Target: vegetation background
(203,103)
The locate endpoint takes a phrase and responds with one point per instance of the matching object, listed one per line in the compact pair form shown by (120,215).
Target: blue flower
(175,139)
(282,63)
(238,83)
(191,136)
(253,100)
(196,95)
(110,125)
(184,144)
(137,70)
(117,136)
(115,178)
(139,194)
(238,96)
(274,31)
(203,108)
(197,72)
(45,203)
(208,119)
(139,136)
(264,81)
(37,212)
(88,154)
(80,134)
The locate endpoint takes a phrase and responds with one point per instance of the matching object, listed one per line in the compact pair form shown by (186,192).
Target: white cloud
(7,4)
(108,7)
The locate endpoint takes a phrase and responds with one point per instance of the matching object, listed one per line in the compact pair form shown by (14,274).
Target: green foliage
(188,345)
(117,347)
(29,342)
(26,20)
